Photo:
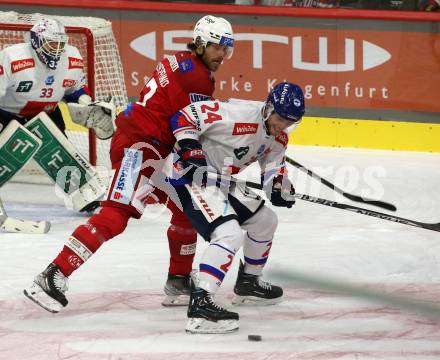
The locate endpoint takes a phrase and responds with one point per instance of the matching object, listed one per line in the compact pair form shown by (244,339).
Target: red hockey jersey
(177,81)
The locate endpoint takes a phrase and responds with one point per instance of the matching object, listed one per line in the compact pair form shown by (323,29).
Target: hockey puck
(254,337)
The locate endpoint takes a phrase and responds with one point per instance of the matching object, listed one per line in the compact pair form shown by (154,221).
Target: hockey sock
(217,258)
(88,238)
(182,243)
(256,253)
(258,240)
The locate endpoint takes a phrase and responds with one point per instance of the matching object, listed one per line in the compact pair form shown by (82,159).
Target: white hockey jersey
(28,86)
(232,135)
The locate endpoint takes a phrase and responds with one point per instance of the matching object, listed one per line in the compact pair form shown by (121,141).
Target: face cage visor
(53,48)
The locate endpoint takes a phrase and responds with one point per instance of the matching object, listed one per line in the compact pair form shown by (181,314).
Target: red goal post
(103,67)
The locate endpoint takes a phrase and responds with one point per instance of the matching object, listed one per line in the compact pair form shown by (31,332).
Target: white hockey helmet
(49,39)
(217,30)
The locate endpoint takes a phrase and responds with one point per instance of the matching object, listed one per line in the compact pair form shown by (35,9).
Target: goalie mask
(211,29)
(49,39)
(287,100)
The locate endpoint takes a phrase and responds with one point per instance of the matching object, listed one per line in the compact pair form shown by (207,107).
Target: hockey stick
(356,198)
(376,214)
(9,224)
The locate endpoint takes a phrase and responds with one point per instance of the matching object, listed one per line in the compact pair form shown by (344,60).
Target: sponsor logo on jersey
(203,205)
(282,138)
(186,65)
(245,128)
(127,176)
(1,70)
(75,63)
(173,62)
(241,151)
(24,86)
(162,73)
(194,97)
(23,64)
(49,107)
(68,82)
(49,80)
(194,113)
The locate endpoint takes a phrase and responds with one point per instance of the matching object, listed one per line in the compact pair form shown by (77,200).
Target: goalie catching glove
(282,192)
(98,115)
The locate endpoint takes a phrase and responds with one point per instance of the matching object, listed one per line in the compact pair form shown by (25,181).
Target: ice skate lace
(210,301)
(60,281)
(264,284)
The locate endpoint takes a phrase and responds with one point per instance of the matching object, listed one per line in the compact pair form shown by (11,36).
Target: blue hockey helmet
(287,100)
(48,39)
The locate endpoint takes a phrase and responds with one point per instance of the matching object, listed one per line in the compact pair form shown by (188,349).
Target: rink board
(368,134)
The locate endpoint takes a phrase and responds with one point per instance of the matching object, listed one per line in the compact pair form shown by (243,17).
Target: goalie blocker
(77,180)
(17,147)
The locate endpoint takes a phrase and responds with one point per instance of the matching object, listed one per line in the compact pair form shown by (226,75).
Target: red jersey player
(142,141)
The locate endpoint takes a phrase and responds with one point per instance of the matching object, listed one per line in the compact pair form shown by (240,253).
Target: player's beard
(215,64)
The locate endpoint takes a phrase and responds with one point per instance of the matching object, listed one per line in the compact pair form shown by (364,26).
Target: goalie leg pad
(17,147)
(12,225)
(76,180)
(21,226)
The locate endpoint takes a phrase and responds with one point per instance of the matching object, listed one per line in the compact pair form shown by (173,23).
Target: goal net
(95,40)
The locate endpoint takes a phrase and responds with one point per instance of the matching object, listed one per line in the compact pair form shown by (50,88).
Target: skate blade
(176,300)
(254,301)
(203,326)
(38,296)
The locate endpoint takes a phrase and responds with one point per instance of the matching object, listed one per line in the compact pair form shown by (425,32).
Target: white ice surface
(114,309)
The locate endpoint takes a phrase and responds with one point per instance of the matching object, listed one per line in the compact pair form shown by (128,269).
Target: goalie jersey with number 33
(232,135)
(28,87)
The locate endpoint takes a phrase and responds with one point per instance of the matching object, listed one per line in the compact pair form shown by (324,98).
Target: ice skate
(206,317)
(251,290)
(48,289)
(177,290)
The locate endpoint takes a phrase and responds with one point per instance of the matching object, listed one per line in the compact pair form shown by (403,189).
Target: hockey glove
(194,161)
(98,115)
(282,193)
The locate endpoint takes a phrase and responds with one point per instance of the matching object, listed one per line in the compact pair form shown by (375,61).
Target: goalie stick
(356,198)
(13,225)
(376,214)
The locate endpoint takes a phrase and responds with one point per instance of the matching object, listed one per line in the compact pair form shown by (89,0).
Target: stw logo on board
(371,56)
